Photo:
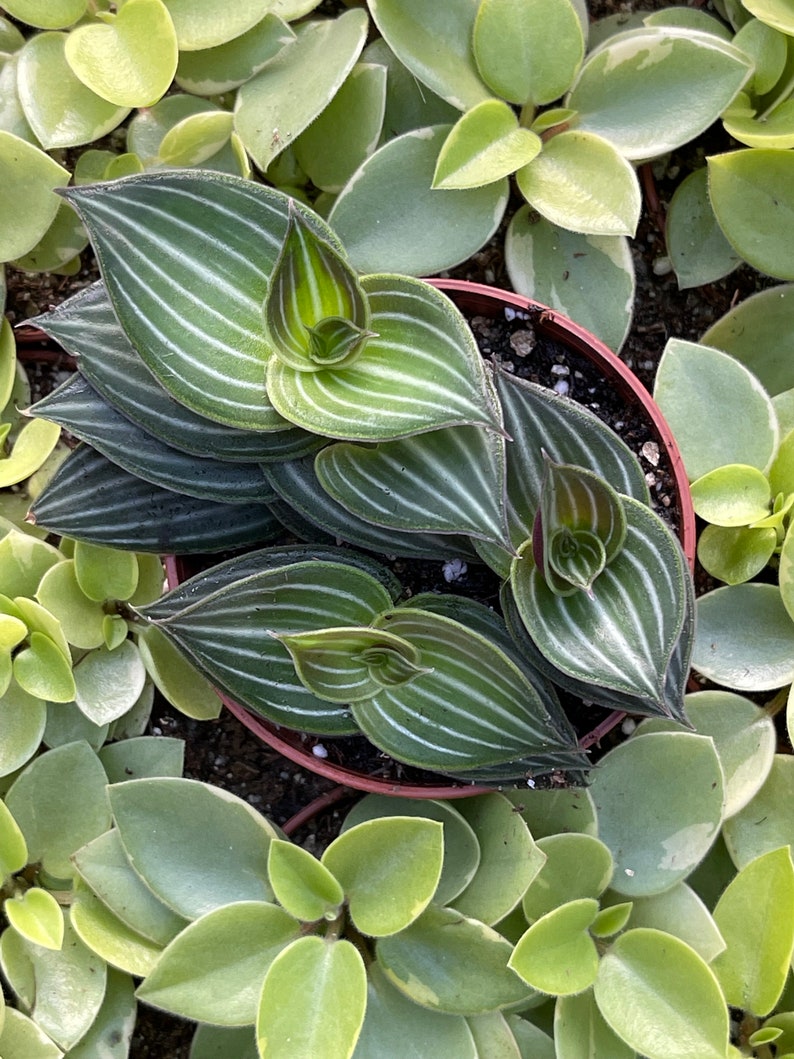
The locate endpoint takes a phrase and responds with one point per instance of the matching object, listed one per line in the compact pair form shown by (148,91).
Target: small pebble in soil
(650,450)
(319,750)
(454,570)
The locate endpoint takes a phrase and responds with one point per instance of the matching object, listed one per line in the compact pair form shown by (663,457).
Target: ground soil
(223,752)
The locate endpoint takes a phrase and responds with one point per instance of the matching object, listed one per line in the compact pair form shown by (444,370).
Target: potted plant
(363,407)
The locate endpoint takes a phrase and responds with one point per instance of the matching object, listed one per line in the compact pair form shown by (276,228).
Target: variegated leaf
(316,313)
(231,635)
(94,500)
(348,665)
(186,257)
(474,707)
(78,407)
(580,527)
(422,371)
(538,420)
(446,481)
(86,326)
(309,505)
(623,635)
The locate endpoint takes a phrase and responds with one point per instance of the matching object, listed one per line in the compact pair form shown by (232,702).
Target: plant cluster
(238,377)
(623,918)
(419,115)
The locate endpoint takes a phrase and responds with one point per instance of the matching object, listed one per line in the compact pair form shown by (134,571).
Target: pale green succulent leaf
(528,53)
(62,111)
(435,43)
(735,494)
(484,145)
(37,916)
(29,177)
(23,717)
(589,278)
(581,182)
(698,250)
(302,885)
(752,193)
(635,90)
(775,13)
(736,554)
(208,23)
(581,1030)
(196,138)
(557,954)
(269,113)
(214,70)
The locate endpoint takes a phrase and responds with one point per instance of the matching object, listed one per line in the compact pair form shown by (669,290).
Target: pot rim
(556,325)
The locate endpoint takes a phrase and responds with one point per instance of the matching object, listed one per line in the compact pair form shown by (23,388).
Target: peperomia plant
(630,917)
(365,397)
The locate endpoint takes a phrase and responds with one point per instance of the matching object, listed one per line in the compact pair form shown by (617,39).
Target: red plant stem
(652,200)
(336,794)
(601,730)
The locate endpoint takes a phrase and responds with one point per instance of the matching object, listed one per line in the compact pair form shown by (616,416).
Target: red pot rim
(477,297)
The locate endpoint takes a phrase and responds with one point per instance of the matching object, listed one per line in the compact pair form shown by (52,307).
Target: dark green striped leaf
(95,500)
(86,326)
(187,257)
(297,484)
(473,708)
(445,481)
(78,407)
(622,635)
(421,371)
(231,635)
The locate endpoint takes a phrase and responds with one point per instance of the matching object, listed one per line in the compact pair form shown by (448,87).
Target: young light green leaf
(42,670)
(435,43)
(196,138)
(735,494)
(684,1011)
(57,14)
(171,828)
(32,446)
(81,618)
(105,573)
(13,849)
(301,884)
(388,869)
(557,955)
(485,145)
(678,911)
(61,109)
(60,245)
(755,965)
(213,970)
(735,555)
(23,562)
(580,181)
(131,60)
(675,814)
(528,53)
(313,1001)
(580,1031)
(268,114)
(108,936)
(20,1035)
(108,683)
(772,13)
(175,677)
(636,88)
(741,425)
(208,23)
(752,192)
(744,638)
(23,718)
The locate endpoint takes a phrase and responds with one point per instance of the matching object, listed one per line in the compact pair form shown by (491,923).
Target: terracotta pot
(477,299)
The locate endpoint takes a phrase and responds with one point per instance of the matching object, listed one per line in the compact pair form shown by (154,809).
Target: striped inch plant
(238,378)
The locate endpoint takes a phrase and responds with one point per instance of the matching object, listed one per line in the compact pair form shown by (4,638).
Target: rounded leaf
(735,555)
(752,192)
(108,936)
(576,866)
(62,111)
(42,670)
(660,997)
(389,870)
(212,71)
(28,206)
(13,850)
(129,61)
(59,246)
(213,970)
(760,826)
(658,823)
(108,683)
(207,23)
(420,230)
(105,573)
(59,803)
(55,14)
(733,495)
(557,954)
(196,138)
(737,425)
(177,678)
(528,53)
(744,638)
(699,251)
(81,618)
(636,89)
(681,912)
(302,885)
(580,182)
(22,721)
(485,145)
(313,1001)
(580,1030)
